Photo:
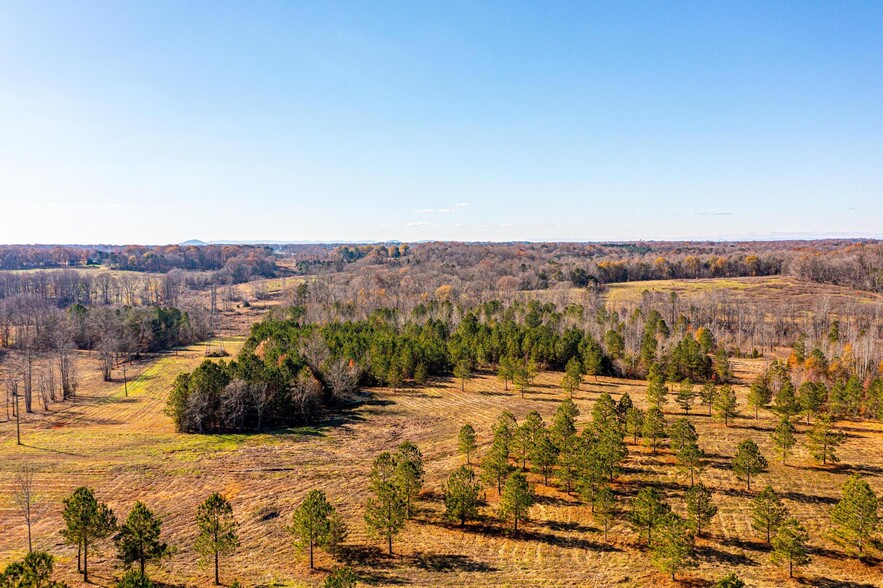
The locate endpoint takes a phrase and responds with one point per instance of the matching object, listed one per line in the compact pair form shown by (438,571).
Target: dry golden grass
(126,450)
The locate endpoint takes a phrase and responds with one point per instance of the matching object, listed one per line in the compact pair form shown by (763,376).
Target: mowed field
(126,449)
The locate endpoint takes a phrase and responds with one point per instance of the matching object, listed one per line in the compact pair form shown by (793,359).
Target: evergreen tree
(337,533)
(759,395)
(654,427)
(409,473)
(462,495)
(811,397)
(647,508)
(564,425)
(691,460)
(544,456)
(673,549)
(767,512)
(856,517)
(707,395)
(138,539)
(748,461)
(790,545)
(134,579)
(699,506)
(731,580)
(495,464)
(386,509)
(86,522)
(572,377)
(783,436)
(310,523)
(681,433)
(516,500)
(634,423)
(528,435)
(217,530)
(785,401)
(823,440)
(657,392)
(623,407)
(725,404)
(604,413)
(685,396)
(506,371)
(722,370)
(34,571)
(463,372)
(342,577)
(605,508)
(466,441)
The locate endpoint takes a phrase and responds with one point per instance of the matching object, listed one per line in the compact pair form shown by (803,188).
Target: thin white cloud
(462,204)
(434,210)
(417,224)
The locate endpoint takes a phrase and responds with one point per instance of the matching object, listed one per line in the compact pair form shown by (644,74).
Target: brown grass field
(126,449)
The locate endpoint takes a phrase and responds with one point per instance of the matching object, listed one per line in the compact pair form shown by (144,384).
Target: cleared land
(125,448)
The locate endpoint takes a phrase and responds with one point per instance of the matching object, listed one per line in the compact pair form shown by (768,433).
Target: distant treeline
(241,262)
(533,266)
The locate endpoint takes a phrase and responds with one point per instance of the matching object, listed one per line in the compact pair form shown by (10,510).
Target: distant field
(126,449)
(758,289)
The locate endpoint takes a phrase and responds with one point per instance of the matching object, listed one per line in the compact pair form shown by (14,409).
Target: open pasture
(126,449)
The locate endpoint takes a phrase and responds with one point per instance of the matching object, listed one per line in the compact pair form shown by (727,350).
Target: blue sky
(156,122)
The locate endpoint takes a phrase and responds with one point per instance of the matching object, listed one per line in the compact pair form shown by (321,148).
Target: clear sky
(156,122)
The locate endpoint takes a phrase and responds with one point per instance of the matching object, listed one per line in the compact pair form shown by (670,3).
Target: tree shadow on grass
(747,544)
(807,498)
(821,582)
(450,562)
(377,562)
(712,554)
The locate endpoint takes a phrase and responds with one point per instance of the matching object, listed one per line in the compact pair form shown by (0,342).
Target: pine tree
(823,440)
(572,376)
(409,473)
(699,506)
(707,395)
(654,427)
(463,372)
(564,425)
(783,436)
(856,517)
(647,508)
(462,495)
(731,580)
(516,500)
(544,456)
(634,423)
(342,577)
(685,396)
(673,549)
(86,521)
(691,460)
(785,401)
(657,392)
(759,395)
(138,539)
(526,437)
(811,397)
(681,433)
(605,508)
(748,461)
(466,441)
(386,509)
(506,372)
(790,545)
(725,404)
(495,464)
(217,530)
(767,512)
(310,524)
